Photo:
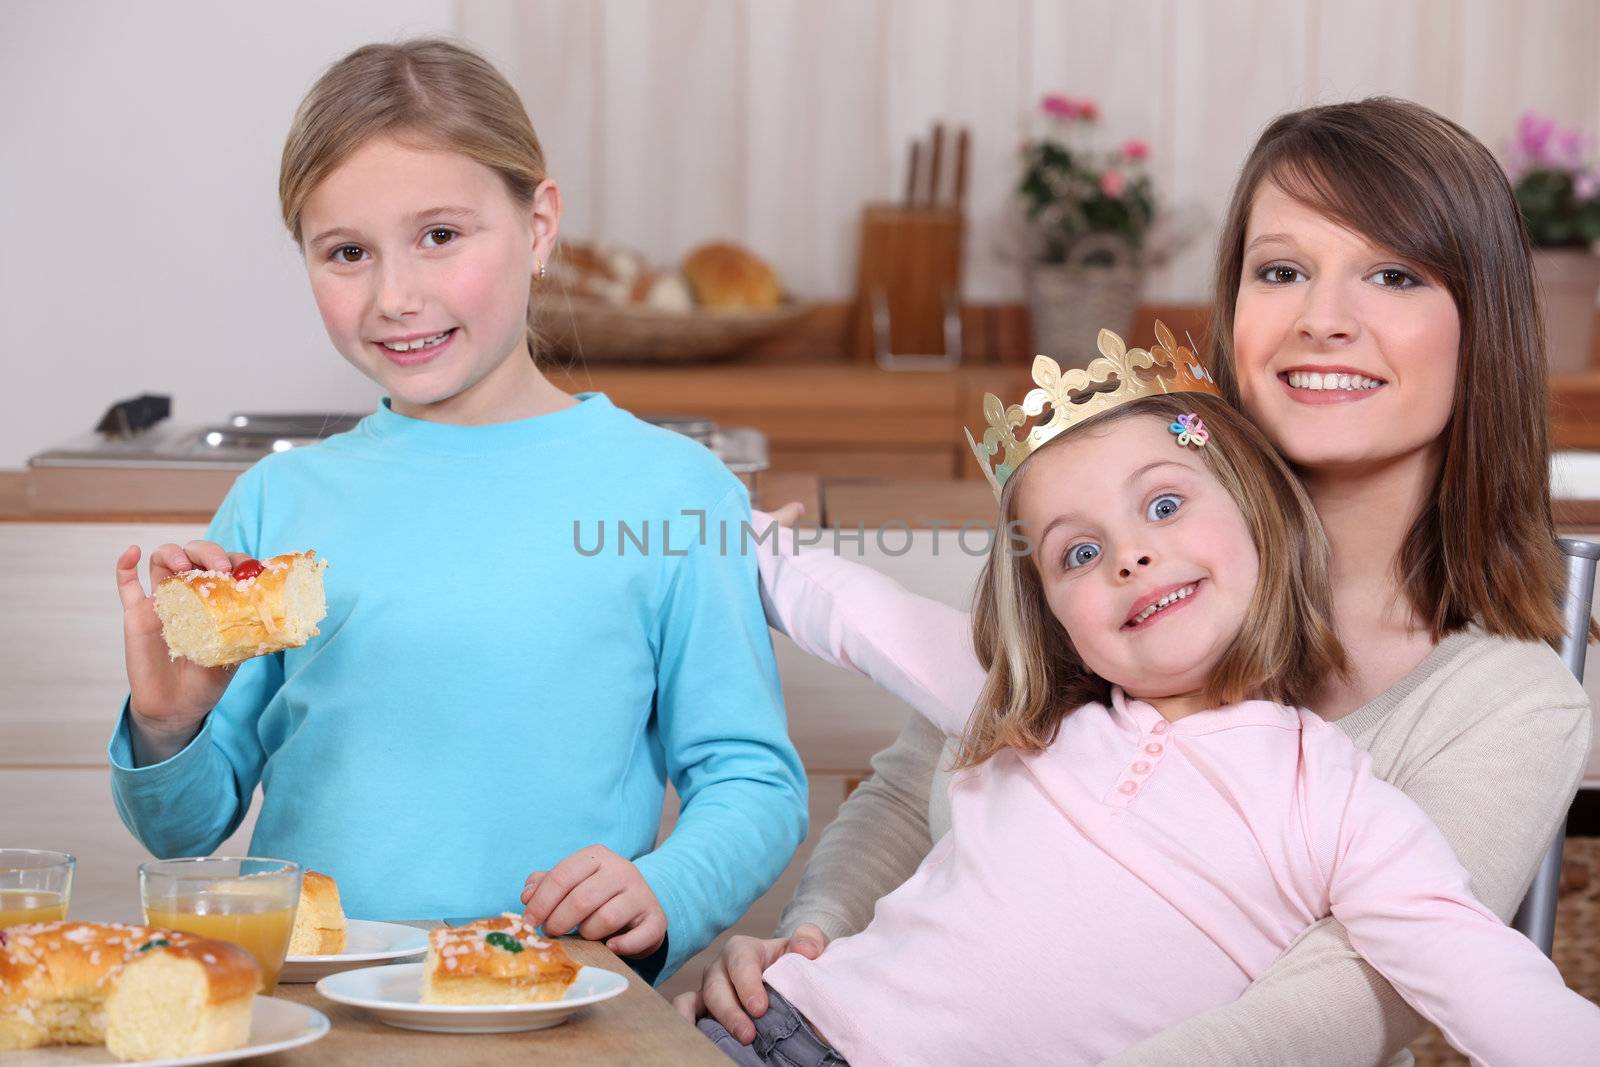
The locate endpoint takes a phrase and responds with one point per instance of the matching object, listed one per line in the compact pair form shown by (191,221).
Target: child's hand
(731,991)
(171,698)
(600,893)
(789,514)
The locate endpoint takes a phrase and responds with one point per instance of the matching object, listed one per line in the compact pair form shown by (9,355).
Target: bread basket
(600,332)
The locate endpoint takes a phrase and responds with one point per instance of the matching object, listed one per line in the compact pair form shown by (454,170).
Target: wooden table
(637,1028)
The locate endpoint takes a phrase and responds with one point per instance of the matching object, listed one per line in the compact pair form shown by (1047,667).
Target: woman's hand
(731,991)
(170,697)
(601,894)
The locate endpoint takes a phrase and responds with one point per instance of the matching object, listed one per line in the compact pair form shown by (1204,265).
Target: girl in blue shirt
(489,712)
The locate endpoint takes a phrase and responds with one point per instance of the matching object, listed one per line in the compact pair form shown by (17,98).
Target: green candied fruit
(159,942)
(503,940)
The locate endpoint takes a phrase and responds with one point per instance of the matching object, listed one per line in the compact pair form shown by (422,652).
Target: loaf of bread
(216,619)
(725,275)
(143,993)
(494,961)
(318,920)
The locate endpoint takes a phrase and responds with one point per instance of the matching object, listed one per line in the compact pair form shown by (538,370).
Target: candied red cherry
(246,569)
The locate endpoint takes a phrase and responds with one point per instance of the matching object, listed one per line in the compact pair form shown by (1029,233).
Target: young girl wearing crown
(1140,806)
(484,700)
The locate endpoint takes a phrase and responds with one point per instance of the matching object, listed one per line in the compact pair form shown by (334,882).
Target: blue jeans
(782,1040)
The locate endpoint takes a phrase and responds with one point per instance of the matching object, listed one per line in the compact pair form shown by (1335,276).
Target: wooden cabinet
(831,419)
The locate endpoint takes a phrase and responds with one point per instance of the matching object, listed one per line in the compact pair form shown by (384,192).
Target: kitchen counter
(164,496)
(859,445)
(840,502)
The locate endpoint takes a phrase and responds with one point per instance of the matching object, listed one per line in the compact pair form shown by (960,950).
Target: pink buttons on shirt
(1142,766)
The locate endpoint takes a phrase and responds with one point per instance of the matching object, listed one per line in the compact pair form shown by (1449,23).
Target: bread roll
(318,921)
(596,272)
(581,269)
(144,993)
(216,619)
(626,264)
(663,292)
(494,961)
(726,276)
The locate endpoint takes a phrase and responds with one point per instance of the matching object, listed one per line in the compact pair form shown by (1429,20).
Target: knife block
(908,287)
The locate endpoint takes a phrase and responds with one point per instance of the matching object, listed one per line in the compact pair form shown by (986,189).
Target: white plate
(392,994)
(275,1025)
(365,943)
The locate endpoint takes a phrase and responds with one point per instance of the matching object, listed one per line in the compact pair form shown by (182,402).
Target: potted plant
(1557,183)
(1087,216)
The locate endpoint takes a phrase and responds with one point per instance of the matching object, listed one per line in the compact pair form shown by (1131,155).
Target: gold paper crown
(1120,375)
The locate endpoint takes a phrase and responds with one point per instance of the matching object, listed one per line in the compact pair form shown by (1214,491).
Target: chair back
(1537,915)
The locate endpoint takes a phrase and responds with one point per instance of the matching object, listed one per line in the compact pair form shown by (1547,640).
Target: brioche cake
(144,993)
(318,920)
(216,619)
(495,961)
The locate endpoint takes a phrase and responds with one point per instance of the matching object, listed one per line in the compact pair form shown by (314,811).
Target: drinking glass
(244,899)
(35,885)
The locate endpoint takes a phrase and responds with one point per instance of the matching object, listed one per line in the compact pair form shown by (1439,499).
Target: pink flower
(1586,186)
(1571,148)
(1533,136)
(1059,107)
(1088,111)
(1112,183)
(1135,150)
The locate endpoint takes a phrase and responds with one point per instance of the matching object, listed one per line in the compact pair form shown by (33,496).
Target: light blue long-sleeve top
(488,693)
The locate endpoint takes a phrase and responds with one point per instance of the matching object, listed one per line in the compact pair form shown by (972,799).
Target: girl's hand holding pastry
(731,990)
(602,894)
(170,697)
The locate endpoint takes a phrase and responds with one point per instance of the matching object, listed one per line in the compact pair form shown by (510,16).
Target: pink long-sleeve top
(1139,872)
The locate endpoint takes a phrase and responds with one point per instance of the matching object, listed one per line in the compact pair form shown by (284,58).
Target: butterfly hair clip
(1190,430)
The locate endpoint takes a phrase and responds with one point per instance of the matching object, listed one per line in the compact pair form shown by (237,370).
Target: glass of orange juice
(244,899)
(35,885)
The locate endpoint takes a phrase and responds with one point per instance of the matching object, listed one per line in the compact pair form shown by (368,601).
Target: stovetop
(246,437)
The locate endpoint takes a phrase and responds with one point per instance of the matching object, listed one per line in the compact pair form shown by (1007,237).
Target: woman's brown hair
(1285,649)
(1483,548)
(426,92)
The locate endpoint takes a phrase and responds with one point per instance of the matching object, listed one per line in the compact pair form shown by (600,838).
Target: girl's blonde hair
(426,92)
(1286,648)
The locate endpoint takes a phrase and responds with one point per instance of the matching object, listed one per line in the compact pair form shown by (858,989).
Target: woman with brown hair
(1375,316)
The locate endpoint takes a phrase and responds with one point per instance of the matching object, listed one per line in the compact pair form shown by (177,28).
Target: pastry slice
(217,619)
(495,961)
(318,920)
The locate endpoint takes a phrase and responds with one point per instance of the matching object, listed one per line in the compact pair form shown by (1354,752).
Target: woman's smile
(1329,385)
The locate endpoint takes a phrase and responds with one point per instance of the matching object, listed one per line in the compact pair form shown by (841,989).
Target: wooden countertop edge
(136,517)
(840,503)
(1569,514)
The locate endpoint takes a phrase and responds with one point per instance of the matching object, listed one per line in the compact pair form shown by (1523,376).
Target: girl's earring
(541,272)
